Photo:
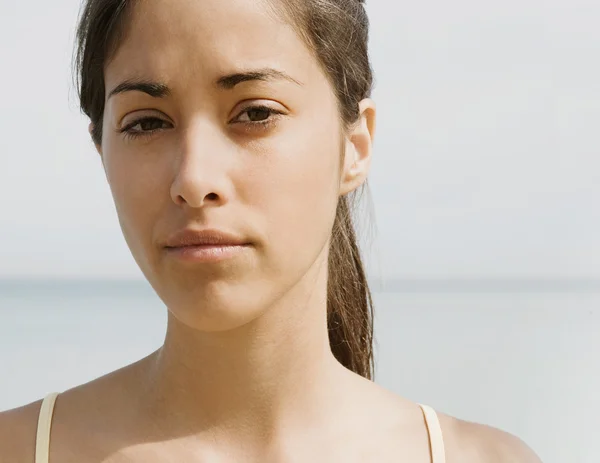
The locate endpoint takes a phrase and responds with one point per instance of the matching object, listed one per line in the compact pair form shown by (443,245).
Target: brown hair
(336,31)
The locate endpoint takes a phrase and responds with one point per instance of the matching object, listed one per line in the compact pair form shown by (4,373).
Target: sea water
(527,361)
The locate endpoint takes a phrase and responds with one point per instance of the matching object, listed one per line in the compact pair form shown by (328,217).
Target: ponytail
(349,302)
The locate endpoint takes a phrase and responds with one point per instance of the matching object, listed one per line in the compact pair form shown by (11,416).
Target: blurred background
(481,230)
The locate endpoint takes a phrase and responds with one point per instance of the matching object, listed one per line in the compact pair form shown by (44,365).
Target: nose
(201,168)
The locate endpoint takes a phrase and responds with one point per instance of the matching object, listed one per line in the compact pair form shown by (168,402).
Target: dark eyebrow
(154,89)
(228,82)
(231,80)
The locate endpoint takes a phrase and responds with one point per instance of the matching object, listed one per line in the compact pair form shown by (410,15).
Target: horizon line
(437,284)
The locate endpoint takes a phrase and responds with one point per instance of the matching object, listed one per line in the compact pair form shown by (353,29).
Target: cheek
(137,194)
(296,189)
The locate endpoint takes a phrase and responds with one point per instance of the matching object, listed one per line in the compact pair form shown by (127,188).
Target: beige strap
(436,441)
(42,440)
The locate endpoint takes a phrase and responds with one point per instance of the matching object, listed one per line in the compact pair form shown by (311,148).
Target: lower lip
(207,253)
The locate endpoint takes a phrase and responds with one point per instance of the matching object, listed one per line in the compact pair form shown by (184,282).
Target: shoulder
(468,442)
(18,428)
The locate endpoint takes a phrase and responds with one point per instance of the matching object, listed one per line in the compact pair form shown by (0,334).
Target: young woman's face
(212,146)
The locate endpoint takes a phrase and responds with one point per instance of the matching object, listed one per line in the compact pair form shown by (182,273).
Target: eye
(260,115)
(143,126)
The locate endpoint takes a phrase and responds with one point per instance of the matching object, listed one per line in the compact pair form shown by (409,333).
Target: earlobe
(359,143)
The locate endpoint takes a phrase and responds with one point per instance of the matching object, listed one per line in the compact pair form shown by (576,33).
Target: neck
(275,372)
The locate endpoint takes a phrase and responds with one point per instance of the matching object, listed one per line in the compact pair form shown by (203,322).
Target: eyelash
(251,125)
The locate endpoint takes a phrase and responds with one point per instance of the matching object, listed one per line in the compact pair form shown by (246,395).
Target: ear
(358,150)
(98,147)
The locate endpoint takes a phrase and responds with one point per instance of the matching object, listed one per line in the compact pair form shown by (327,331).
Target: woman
(233,135)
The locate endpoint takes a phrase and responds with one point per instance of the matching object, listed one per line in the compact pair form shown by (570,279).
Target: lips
(206,237)
(208,246)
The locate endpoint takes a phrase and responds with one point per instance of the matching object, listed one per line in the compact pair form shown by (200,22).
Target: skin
(246,373)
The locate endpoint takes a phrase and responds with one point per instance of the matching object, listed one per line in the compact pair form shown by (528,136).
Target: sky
(486,158)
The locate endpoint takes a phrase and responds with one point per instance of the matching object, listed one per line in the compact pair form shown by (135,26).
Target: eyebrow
(227,82)
(154,89)
(265,74)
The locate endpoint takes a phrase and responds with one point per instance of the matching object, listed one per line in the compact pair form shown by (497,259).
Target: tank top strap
(436,441)
(42,439)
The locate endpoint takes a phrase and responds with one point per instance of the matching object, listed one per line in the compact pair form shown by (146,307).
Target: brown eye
(147,124)
(258,114)
(144,126)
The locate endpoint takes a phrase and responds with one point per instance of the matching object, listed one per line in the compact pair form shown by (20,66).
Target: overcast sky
(487,158)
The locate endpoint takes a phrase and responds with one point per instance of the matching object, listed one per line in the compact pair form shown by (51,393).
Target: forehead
(196,40)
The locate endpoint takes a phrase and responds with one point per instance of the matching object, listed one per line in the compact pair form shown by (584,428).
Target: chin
(217,305)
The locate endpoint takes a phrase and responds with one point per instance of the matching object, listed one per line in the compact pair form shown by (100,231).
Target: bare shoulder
(18,429)
(468,442)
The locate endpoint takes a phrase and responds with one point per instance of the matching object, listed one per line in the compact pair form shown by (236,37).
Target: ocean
(521,356)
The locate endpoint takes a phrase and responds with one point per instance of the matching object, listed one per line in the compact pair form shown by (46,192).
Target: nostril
(212,196)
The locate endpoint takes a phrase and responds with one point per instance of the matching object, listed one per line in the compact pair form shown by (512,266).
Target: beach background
(515,355)
(481,231)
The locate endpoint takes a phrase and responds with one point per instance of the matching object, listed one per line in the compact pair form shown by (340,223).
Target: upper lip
(191,237)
